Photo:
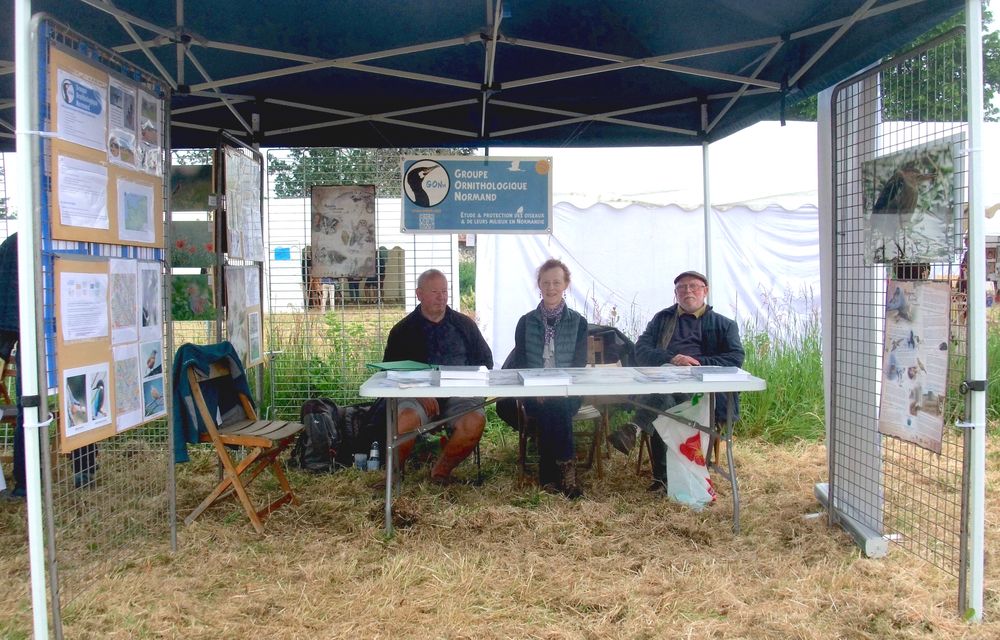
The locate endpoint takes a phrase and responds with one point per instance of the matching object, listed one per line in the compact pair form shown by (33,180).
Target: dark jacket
(222,396)
(720,346)
(406,340)
(570,340)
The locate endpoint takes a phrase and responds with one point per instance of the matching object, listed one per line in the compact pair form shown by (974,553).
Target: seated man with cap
(688,333)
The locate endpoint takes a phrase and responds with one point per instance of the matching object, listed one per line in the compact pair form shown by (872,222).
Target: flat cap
(691,274)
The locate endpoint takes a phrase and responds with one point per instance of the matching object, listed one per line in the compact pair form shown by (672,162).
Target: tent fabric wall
(623,262)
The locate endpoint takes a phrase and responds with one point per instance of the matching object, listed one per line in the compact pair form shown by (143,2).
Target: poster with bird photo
(191,298)
(910,203)
(343,231)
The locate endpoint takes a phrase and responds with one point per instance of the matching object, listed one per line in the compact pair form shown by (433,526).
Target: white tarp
(623,262)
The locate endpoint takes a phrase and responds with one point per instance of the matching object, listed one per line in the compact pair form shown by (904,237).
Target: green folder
(398,365)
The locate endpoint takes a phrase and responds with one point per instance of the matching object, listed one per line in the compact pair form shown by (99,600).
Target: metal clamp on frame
(971,385)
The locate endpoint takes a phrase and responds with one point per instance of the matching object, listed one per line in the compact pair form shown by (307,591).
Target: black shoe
(657,485)
(13,495)
(624,438)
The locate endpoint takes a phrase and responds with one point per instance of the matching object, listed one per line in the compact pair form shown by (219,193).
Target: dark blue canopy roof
(370,73)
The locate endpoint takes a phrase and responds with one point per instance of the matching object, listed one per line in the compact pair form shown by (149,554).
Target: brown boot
(567,475)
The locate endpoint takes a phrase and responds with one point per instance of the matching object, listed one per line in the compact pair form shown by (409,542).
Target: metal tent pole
(26,105)
(975,440)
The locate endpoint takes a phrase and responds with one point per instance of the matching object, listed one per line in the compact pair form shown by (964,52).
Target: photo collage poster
(106,155)
(909,204)
(243,312)
(915,361)
(110,346)
(343,231)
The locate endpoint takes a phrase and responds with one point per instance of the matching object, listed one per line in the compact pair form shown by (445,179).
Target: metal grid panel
(897,488)
(109,501)
(320,335)
(7,227)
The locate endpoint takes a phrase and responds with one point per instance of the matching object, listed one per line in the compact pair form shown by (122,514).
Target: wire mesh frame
(910,494)
(105,503)
(6,427)
(320,339)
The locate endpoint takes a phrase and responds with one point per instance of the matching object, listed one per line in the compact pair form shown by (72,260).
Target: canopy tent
(360,73)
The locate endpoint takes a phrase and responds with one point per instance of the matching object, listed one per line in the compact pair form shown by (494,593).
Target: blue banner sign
(476,194)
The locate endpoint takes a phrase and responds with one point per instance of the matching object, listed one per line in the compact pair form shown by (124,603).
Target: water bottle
(373,460)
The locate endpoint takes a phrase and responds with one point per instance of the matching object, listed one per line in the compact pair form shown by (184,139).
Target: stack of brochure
(457,376)
(405,379)
(544,377)
(721,374)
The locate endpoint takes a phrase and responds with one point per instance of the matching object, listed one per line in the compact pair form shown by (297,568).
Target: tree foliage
(939,67)
(297,170)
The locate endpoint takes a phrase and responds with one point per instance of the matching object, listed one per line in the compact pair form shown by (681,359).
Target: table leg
(391,416)
(730,402)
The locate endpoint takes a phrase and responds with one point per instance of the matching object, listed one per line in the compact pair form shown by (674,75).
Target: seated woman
(553,335)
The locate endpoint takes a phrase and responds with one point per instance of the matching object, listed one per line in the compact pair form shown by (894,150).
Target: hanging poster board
(909,203)
(343,231)
(915,361)
(106,182)
(243,312)
(469,194)
(83,338)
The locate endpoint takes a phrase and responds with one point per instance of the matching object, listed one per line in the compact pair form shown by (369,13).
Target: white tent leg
(26,101)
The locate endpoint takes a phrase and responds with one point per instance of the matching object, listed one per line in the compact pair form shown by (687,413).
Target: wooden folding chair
(265,439)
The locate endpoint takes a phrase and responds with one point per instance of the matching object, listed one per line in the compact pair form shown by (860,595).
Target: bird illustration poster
(193,244)
(128,391)
(86,398)
(910,204)
(150,300)
(153,402)
(343,231)
(915,361)
(151,358)
(191,297)
(124,299)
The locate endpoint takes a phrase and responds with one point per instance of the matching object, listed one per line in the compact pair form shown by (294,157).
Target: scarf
(551,318)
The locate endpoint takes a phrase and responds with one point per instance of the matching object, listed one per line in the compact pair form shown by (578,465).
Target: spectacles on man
(681,288)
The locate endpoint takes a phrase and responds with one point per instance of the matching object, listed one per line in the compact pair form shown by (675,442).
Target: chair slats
(265,439)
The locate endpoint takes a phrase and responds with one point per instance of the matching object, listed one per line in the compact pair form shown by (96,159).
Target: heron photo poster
(909,204)
(343,231)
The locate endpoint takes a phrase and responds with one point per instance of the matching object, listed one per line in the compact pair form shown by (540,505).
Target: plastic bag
(687,474)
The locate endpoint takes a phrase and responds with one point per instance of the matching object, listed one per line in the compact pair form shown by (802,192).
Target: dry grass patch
(504,561)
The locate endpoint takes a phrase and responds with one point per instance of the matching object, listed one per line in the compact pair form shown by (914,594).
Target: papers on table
(404,379)
(452,372)
(463,376)
(544,377)
(721,374)
(666,374)
(705,373)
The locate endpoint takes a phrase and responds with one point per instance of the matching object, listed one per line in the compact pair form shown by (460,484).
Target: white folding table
(612,384)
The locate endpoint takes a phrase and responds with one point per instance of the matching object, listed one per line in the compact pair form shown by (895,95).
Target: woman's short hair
(552,263)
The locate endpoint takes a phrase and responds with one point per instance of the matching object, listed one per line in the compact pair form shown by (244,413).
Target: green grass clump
(791,408)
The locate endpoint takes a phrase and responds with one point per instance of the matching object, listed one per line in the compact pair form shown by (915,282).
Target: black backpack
(316,449)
